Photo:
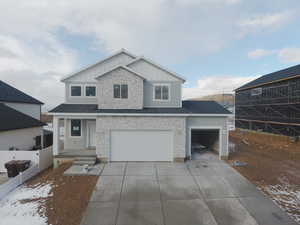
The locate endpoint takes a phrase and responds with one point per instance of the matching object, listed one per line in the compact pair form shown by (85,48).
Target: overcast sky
(217,45)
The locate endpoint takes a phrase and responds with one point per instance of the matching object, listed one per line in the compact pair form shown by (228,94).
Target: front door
(91,133)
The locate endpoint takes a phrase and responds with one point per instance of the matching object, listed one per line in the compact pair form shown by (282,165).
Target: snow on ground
(24,206)
(286,196)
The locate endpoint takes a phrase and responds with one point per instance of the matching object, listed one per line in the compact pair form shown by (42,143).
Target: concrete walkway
(204,192)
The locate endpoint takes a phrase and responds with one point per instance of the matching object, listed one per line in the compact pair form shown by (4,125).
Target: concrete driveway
(206,192)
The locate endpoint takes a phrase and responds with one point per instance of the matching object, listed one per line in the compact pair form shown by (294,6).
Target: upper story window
(120,91)
(75,128)
(90,91)
(161,92)
(76,90)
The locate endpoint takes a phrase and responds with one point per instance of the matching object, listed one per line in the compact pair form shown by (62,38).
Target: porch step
(84,161)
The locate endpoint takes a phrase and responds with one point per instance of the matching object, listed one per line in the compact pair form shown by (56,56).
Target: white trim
(70,134)
(205,128)
(120,84)
(75,85)
(138,114)
(158,66)
(120,67)
(169,92)
(90,85)
(88,123)
(101,61)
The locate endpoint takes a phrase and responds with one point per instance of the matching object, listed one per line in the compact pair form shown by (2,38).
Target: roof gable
(280,75)
(12,119)
(150,68)
(11,94)
(89,73)
(120,67)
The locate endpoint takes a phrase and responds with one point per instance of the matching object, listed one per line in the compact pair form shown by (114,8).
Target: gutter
(140,114)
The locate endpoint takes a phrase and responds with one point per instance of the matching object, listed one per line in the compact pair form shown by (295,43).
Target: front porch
(73,153)
(74,137)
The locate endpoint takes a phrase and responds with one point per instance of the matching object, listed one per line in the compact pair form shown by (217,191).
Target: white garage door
(141,145)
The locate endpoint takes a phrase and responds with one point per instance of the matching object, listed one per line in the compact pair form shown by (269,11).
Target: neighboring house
(20,118)
(129,108)
(271,103)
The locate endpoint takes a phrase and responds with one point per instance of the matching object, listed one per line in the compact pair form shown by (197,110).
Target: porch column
(65,132)
(42,138)
(55,135)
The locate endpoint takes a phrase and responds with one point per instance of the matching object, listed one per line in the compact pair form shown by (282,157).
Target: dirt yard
(68,197)
(273,164)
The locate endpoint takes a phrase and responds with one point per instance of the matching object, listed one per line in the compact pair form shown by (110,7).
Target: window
(120,91)
(161,92)
(75,90)
(75,128)
(90,91)
(124,91)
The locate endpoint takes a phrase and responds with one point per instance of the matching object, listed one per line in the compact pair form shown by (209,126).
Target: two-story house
(20,116)
(129,108)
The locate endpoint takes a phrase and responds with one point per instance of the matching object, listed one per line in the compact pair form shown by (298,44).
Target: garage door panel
(141,145)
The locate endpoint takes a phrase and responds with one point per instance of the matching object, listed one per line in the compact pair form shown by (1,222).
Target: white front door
(91,126)
(141,145)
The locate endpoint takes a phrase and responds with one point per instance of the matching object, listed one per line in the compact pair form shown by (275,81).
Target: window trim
(90,85)
(70,134)
(75,85)
(169,92)
(120,85)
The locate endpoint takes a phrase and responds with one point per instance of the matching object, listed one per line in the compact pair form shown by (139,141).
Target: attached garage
(203,140)
(141,145)
(207,134)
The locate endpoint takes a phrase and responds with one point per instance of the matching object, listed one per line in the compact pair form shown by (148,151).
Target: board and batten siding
(174,94)
(23,139)
(208,123)
(89,74)
(151,72)
(33,110)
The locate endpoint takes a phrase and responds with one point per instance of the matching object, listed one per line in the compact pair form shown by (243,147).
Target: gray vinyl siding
(174,98)
(23,139)
(89,74)
(32,110)
(208,122)
(81,99)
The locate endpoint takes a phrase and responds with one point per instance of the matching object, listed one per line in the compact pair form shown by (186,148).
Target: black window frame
(90,86)
(120,91)
(79,133)
(161,88)
(75,86)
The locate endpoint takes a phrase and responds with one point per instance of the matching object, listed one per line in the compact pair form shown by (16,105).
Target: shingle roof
(12,119)
(188,107)
(11,94)
(275,76)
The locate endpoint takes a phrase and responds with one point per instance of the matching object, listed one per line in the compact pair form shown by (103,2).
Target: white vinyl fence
(42,158)
(14,182)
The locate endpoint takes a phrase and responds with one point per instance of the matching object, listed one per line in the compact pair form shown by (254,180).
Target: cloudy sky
(217,45)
